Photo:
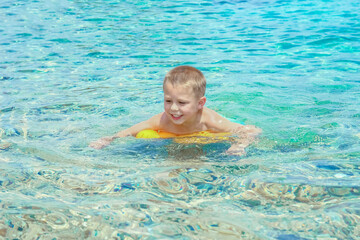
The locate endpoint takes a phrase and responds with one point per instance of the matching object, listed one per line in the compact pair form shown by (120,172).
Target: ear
(202,102)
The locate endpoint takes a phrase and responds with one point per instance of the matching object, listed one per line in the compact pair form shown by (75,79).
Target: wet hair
(187,76)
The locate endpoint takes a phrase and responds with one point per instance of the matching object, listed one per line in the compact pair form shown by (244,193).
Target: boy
(184,112)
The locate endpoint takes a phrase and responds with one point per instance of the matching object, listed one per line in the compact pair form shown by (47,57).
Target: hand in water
(236,150)
(101,143)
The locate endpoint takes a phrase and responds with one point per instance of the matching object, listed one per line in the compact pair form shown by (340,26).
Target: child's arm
(246,134)
(131,131)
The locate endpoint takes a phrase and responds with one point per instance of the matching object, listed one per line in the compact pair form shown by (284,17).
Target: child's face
(181,104)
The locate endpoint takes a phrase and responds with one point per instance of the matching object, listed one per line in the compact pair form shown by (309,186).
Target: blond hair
(187,76)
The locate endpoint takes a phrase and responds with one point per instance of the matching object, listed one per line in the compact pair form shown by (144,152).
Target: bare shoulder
(151,123)
(156,120)
(210,116)
(216,122)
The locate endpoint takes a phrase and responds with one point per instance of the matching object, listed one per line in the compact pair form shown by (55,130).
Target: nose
(174,107)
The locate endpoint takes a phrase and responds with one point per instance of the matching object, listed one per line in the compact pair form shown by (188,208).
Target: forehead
(178,89)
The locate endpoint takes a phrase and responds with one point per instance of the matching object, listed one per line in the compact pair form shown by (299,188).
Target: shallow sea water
(73,71)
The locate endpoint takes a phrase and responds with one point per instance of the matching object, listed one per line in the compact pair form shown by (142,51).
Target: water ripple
(73,71)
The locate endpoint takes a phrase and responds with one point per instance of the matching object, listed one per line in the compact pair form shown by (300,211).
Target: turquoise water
(73,71)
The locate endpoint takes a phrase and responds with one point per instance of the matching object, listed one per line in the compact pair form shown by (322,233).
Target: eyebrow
(178,99)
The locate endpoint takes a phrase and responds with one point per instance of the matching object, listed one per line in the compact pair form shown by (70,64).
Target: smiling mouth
(176,117)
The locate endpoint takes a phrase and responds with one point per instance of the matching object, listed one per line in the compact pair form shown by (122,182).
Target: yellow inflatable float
(203,137)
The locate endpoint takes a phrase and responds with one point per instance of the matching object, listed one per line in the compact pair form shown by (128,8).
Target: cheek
(188,109)
(167,106)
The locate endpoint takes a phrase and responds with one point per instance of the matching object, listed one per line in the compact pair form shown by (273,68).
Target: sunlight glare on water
(72,71)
